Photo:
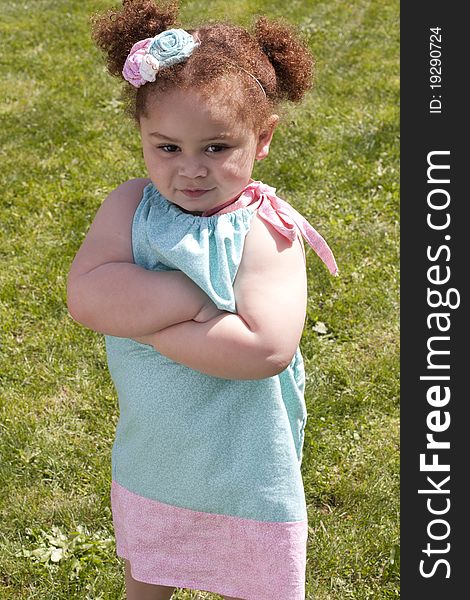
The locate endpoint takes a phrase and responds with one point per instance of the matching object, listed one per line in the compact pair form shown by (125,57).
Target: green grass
(63,145)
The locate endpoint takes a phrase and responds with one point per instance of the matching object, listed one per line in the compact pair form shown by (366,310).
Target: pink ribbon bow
(285,219)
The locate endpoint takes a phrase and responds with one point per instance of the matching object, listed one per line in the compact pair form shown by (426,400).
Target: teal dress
(207,491)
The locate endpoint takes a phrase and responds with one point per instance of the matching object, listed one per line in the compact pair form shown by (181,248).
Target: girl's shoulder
(264,245)
(120,204)
(128,193)
(114,216)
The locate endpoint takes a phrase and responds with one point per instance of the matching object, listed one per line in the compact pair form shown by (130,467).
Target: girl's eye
(168,148)
(215,148)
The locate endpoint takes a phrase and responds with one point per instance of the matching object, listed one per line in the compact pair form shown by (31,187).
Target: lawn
(63,145)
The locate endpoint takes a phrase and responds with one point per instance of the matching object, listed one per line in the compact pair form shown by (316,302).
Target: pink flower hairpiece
(148,56)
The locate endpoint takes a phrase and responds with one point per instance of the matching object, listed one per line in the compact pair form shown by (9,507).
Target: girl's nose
(191,167)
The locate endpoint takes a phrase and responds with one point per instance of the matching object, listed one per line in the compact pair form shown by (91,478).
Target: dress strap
(282,216)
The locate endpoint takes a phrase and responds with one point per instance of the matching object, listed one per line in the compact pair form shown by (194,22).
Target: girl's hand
(208,312)
(148,340)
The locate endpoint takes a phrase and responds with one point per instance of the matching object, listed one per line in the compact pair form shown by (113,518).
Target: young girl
(197,277)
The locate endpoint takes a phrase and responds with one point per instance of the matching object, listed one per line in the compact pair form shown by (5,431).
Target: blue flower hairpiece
(148,56)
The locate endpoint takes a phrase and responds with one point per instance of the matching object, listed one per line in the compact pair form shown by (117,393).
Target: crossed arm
(107,292)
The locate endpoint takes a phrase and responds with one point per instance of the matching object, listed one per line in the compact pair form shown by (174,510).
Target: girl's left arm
(261,339)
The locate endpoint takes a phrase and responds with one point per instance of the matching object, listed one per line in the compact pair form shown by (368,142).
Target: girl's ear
(265,137)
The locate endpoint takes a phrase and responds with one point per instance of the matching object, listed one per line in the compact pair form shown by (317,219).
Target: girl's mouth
(194,193)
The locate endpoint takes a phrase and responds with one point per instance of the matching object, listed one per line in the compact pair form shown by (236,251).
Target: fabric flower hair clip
(148,56)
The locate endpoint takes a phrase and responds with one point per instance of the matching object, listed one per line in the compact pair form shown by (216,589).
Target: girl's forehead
(179,106)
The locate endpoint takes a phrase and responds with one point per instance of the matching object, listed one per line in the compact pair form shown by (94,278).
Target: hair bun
(116,31)
(290,58)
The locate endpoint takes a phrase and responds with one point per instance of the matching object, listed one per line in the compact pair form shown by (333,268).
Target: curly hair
(272,52)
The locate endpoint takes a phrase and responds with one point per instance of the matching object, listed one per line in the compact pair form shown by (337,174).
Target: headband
(257,81)
(168,48)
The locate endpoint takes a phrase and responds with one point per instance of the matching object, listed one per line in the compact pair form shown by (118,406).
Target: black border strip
(434,254)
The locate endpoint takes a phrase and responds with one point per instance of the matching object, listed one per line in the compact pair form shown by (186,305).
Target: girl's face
(199,155)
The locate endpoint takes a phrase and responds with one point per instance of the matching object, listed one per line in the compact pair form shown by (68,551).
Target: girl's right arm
(109,293)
